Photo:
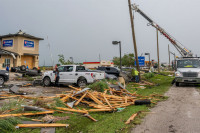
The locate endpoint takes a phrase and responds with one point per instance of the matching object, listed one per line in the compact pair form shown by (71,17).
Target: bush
(99,86)
(149,75)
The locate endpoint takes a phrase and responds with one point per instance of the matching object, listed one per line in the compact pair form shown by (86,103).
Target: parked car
(4,76)
(110,70)
(71,74)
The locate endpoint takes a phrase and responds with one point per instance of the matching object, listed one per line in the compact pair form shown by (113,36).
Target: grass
(12,104)
(7,125)
(113,122)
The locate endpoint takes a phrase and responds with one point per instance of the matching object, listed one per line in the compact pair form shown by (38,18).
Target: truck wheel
(2,80)
(23,68)
(177,84)
(46,81)
(82,83)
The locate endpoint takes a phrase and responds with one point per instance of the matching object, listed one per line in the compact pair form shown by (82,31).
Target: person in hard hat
(137,80)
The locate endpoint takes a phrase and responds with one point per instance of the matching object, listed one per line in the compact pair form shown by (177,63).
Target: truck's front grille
(190,74)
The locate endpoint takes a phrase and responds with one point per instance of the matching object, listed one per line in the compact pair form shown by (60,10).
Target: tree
(63,61)
(128,60)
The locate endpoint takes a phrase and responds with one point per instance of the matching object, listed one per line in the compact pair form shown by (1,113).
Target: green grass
(7,125)
(113,122)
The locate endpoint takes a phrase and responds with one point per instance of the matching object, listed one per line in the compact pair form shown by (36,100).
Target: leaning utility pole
(169,56)
(133,36)
(158,52)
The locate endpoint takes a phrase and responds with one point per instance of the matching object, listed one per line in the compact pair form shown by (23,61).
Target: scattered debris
(32,108)
(14,89)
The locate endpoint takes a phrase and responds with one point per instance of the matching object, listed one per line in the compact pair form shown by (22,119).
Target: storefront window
(6,63)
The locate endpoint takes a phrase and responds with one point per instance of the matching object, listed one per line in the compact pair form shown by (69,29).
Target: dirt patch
(179,114)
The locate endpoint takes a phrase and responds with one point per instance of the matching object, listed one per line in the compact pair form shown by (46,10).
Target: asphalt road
(179,114)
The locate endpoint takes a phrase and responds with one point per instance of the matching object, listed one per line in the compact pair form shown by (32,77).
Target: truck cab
(187,70)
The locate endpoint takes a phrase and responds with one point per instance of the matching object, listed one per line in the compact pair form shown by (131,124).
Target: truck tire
(23,68)
(2,80)
(177,84)
(46,81)
(82,82)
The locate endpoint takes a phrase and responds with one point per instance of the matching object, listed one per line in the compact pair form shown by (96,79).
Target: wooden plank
(83,101)
(72,110)
(126,99)
(94,98)
(65,98)
(80,99)
(99,110)
(87,115)
(131,118)
(107,102)
(27,114)
(74,88)
(41,125)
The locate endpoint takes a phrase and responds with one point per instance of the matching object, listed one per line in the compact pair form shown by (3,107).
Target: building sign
(7,43)
(28,44)
(141,60)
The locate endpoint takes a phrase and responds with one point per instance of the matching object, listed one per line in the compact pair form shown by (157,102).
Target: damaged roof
(6,52)
(21,33)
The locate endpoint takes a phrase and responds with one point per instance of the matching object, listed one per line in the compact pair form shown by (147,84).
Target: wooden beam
(99,110)
(27,114)
(131,118)
(72,110)
(80,99)
(94,98)
(74,88)
(107,102)
(42,125)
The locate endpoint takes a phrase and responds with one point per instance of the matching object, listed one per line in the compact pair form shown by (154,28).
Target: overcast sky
(83,29)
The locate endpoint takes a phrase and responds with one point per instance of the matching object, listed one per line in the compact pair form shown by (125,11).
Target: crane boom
(181,49)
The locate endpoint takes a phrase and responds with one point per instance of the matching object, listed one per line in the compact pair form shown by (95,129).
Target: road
(179,114)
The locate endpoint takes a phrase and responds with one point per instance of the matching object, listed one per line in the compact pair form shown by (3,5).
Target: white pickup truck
(73,74)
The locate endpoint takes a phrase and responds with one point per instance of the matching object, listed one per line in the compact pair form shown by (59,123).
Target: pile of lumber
(109,100)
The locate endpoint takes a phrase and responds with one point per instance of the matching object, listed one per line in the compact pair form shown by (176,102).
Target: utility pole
(133,36)
(99,58)
(169,56)
(158,52)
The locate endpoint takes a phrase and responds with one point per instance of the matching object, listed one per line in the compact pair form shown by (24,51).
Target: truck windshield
(188,63)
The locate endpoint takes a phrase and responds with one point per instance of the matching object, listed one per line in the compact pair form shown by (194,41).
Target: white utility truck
(187,70)
(73,74)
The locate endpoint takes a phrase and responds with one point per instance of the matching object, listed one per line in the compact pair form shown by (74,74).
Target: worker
(137,80)
(57,77)
(27,67)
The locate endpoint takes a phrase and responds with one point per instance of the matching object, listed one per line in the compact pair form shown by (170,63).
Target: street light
(149,60)
(116,43)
